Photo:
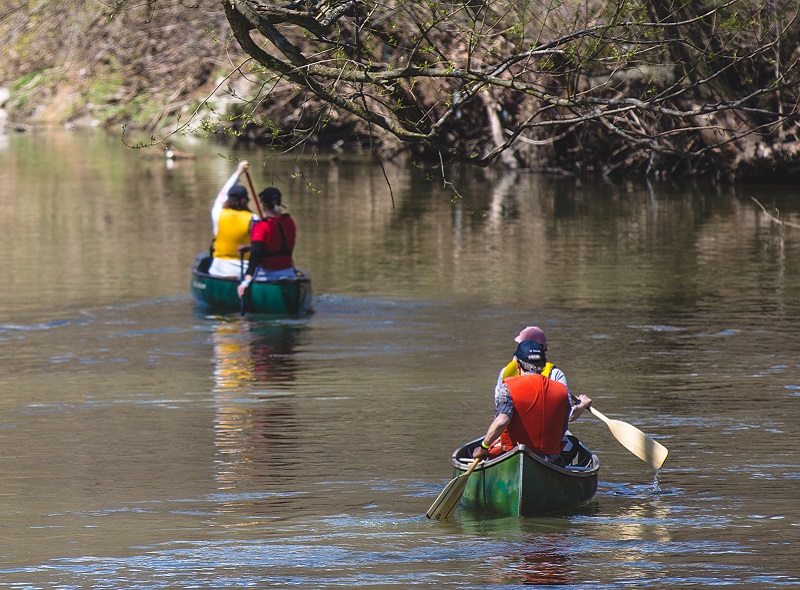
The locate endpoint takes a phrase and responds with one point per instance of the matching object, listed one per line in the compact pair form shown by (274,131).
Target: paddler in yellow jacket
(546,369)
(231,219)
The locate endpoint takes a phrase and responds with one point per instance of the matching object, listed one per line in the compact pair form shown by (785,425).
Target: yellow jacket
(233,231)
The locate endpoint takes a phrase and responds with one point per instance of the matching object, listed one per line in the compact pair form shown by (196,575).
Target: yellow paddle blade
(448,500)
(636,441)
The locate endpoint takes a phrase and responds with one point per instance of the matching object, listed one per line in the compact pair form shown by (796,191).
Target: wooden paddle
(260,216)
(241,277)
(447,501)
(253,190)
(636,441)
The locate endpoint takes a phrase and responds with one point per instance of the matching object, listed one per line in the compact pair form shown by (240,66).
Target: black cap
(530,352)
(270,196)
(237,191)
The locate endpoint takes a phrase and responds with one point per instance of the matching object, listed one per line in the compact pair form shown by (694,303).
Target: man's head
(530,356)
(533,333)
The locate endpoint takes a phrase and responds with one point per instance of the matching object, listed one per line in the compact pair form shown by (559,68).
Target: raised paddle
(447,501)
(253,190)
(636,441)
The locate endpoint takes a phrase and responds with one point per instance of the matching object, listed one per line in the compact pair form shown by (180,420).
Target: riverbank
(154,71)
(150,69)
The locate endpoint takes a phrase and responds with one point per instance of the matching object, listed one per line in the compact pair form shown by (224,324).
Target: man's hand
(243,285)
(479,452)
(584,402)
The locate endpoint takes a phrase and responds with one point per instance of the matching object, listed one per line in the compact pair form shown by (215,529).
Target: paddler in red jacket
(533,408)
(273,240)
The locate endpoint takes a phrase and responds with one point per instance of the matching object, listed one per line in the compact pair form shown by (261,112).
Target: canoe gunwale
(298,279)
(202,258)
(462,457)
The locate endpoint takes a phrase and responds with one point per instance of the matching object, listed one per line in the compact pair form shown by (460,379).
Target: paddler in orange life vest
(535,410)
(536,334)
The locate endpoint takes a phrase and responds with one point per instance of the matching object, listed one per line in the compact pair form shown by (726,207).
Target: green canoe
(520,483)
(291,297)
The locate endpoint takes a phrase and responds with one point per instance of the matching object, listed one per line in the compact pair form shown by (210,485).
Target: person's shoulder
(525,377)
(260,226)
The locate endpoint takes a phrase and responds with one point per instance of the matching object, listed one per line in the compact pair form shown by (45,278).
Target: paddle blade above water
(636,441)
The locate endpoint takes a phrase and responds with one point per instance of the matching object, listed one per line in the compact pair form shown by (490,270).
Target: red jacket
(278,235)
(541,412)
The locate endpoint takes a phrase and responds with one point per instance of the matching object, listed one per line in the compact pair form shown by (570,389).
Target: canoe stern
(291,297)
(520,483)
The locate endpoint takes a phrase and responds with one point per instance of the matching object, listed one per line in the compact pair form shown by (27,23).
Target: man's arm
(496,428)
(503,410)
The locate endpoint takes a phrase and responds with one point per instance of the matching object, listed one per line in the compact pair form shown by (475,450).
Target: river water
(148,443)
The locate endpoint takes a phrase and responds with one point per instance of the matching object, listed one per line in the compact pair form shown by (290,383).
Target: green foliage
(29,82)
(102,90)
(26,89)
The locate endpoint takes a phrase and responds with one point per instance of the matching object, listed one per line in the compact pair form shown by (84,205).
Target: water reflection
(674,309)
(253,352)
(542,561)
(254,428)
(630,523)
(535,550)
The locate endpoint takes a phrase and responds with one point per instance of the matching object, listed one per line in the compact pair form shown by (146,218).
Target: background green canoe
(282,297)
(520,483)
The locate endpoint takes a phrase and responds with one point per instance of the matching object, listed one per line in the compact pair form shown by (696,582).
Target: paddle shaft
(241,280)
(472,467)
(255,194)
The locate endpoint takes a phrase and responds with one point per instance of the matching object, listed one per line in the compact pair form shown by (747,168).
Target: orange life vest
(511,370)
(541,412)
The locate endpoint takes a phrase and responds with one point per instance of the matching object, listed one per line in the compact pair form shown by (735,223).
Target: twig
(772,217)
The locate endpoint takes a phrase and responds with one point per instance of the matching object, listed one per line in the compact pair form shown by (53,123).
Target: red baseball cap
(532,333)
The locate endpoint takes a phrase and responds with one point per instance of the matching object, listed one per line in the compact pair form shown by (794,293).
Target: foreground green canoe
(290,297)
(520,483)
